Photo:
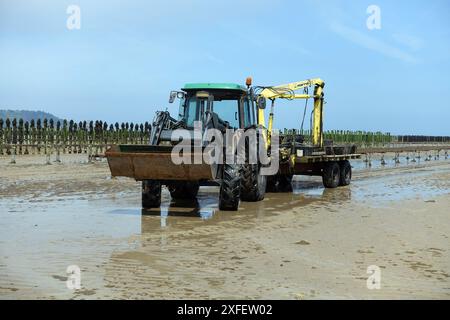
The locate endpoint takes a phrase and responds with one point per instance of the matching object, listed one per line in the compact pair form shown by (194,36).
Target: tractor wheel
(253,184)
(345,173)
(151,194)
(331,175)
(230,188)
(279,183)
(184,190)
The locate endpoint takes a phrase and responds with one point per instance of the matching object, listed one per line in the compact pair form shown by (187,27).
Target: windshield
(226,108)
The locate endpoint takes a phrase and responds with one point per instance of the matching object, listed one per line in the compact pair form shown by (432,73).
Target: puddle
(375,161)
(424,184)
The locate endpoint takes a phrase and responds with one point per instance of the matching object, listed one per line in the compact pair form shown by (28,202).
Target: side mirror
(173,95)
(261,102)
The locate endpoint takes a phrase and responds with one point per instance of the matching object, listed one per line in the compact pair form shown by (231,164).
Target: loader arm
(288,91)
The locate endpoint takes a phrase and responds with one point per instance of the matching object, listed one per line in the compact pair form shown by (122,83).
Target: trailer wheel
(345,173)
(184,189)
(151,194)
(331,175)
(253,184)
(230,188)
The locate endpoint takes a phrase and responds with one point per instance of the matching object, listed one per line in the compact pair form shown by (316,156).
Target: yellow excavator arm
(288,91)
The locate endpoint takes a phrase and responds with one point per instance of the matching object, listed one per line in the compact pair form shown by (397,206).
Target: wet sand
(309,244)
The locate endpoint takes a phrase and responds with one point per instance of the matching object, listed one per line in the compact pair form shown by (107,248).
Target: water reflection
(200,207)
(181,214)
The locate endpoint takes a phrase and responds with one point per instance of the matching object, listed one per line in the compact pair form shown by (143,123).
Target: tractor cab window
(192,110)
(226,105)
(190,114)
(227,110)
(181,109)
(249,114)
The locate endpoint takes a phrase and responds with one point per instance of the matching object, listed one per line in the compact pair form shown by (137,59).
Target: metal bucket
(143,162)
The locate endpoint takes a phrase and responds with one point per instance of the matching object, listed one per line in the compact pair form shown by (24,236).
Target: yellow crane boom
(288,91)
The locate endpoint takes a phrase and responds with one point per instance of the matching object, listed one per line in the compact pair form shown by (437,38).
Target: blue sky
(128,55)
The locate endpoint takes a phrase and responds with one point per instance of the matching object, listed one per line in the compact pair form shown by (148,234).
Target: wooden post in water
(1,137)
(13,157)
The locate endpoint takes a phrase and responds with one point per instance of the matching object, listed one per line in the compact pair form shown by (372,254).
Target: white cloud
(372,43)
(409,41)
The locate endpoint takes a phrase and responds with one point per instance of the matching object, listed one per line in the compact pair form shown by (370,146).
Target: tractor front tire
(151,194)
(184,190)
(331,175)
(253,184)
(230,188)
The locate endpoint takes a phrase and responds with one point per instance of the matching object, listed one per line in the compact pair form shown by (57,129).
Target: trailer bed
(326,158)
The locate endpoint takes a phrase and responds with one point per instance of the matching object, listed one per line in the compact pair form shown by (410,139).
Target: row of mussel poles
(18,137)
(360,138)
(48,136)
(370,139)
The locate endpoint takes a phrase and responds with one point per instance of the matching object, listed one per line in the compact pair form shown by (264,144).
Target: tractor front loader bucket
(144,162)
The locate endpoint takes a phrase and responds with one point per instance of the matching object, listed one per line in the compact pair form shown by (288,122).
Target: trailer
(300,155)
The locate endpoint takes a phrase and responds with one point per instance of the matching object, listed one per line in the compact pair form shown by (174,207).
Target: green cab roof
(206,86)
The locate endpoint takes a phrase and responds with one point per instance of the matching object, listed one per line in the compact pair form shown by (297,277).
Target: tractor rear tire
(253,184)
(230,188)
(151,194)
(331,175)
(184,190)
(345,173)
